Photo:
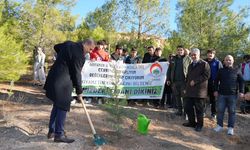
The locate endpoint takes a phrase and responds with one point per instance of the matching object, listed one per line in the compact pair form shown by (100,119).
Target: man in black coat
(64,75)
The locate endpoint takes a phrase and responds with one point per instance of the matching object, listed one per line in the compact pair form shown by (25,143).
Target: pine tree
(13,61)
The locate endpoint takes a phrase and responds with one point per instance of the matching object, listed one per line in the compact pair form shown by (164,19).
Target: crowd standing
(190,82)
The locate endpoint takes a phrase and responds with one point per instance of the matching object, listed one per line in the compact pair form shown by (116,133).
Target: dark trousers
(56,122)
(163,99)
(212,103)
(212,98)
(178,88)
(169,95)
(194,104)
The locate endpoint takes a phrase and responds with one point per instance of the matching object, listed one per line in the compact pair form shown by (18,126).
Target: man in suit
(64,75)
(196,90)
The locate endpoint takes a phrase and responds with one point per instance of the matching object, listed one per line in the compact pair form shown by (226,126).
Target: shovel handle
(89,120)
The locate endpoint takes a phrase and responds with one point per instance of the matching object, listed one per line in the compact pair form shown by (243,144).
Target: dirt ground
(24,124)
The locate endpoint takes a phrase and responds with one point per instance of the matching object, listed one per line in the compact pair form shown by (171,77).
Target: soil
(24,121)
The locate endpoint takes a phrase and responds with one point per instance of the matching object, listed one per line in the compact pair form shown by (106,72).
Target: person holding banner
(64,75)
(99,54)
(117,55)
(132,59)
(158,58)
(148,57)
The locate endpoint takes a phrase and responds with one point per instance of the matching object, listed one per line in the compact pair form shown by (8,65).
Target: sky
(82,8)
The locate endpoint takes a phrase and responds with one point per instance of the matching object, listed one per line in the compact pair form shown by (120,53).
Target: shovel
(98,140)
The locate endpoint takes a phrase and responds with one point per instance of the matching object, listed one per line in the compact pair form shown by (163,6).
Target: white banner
(130,81)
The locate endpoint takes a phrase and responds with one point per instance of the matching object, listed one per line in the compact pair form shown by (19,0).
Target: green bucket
(142,124)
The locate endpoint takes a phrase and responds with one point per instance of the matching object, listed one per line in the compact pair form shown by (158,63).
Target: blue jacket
(215,65)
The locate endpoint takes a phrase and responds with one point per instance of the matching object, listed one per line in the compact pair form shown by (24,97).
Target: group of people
(193,80)
(190,79)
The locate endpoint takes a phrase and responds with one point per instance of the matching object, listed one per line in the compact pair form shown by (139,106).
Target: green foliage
(143,16)
(129,42)
(114,103)
(13,61)
(42,24)
(211,24)
(98,34)
(102,17)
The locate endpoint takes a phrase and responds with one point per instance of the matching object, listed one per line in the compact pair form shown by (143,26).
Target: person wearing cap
(215,65)
(99,54)
(64,75)
(196,90)
(117,55)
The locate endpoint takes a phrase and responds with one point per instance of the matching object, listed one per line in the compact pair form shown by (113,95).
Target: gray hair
(88,42)
(195,50)
(229,56)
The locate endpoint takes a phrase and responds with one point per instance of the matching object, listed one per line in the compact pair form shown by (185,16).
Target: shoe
(63,139)
(218,128)
(50,135)
(230,131)
(88,100)
(213,116)
(186,117)
(131,103)
(189,125)
(198,128)
(73,102)
(100,101)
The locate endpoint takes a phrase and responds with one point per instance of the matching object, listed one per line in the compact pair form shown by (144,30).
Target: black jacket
(160,59)
(148,58)
(116,57)
(228,81)
(130,60)
(65,74)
